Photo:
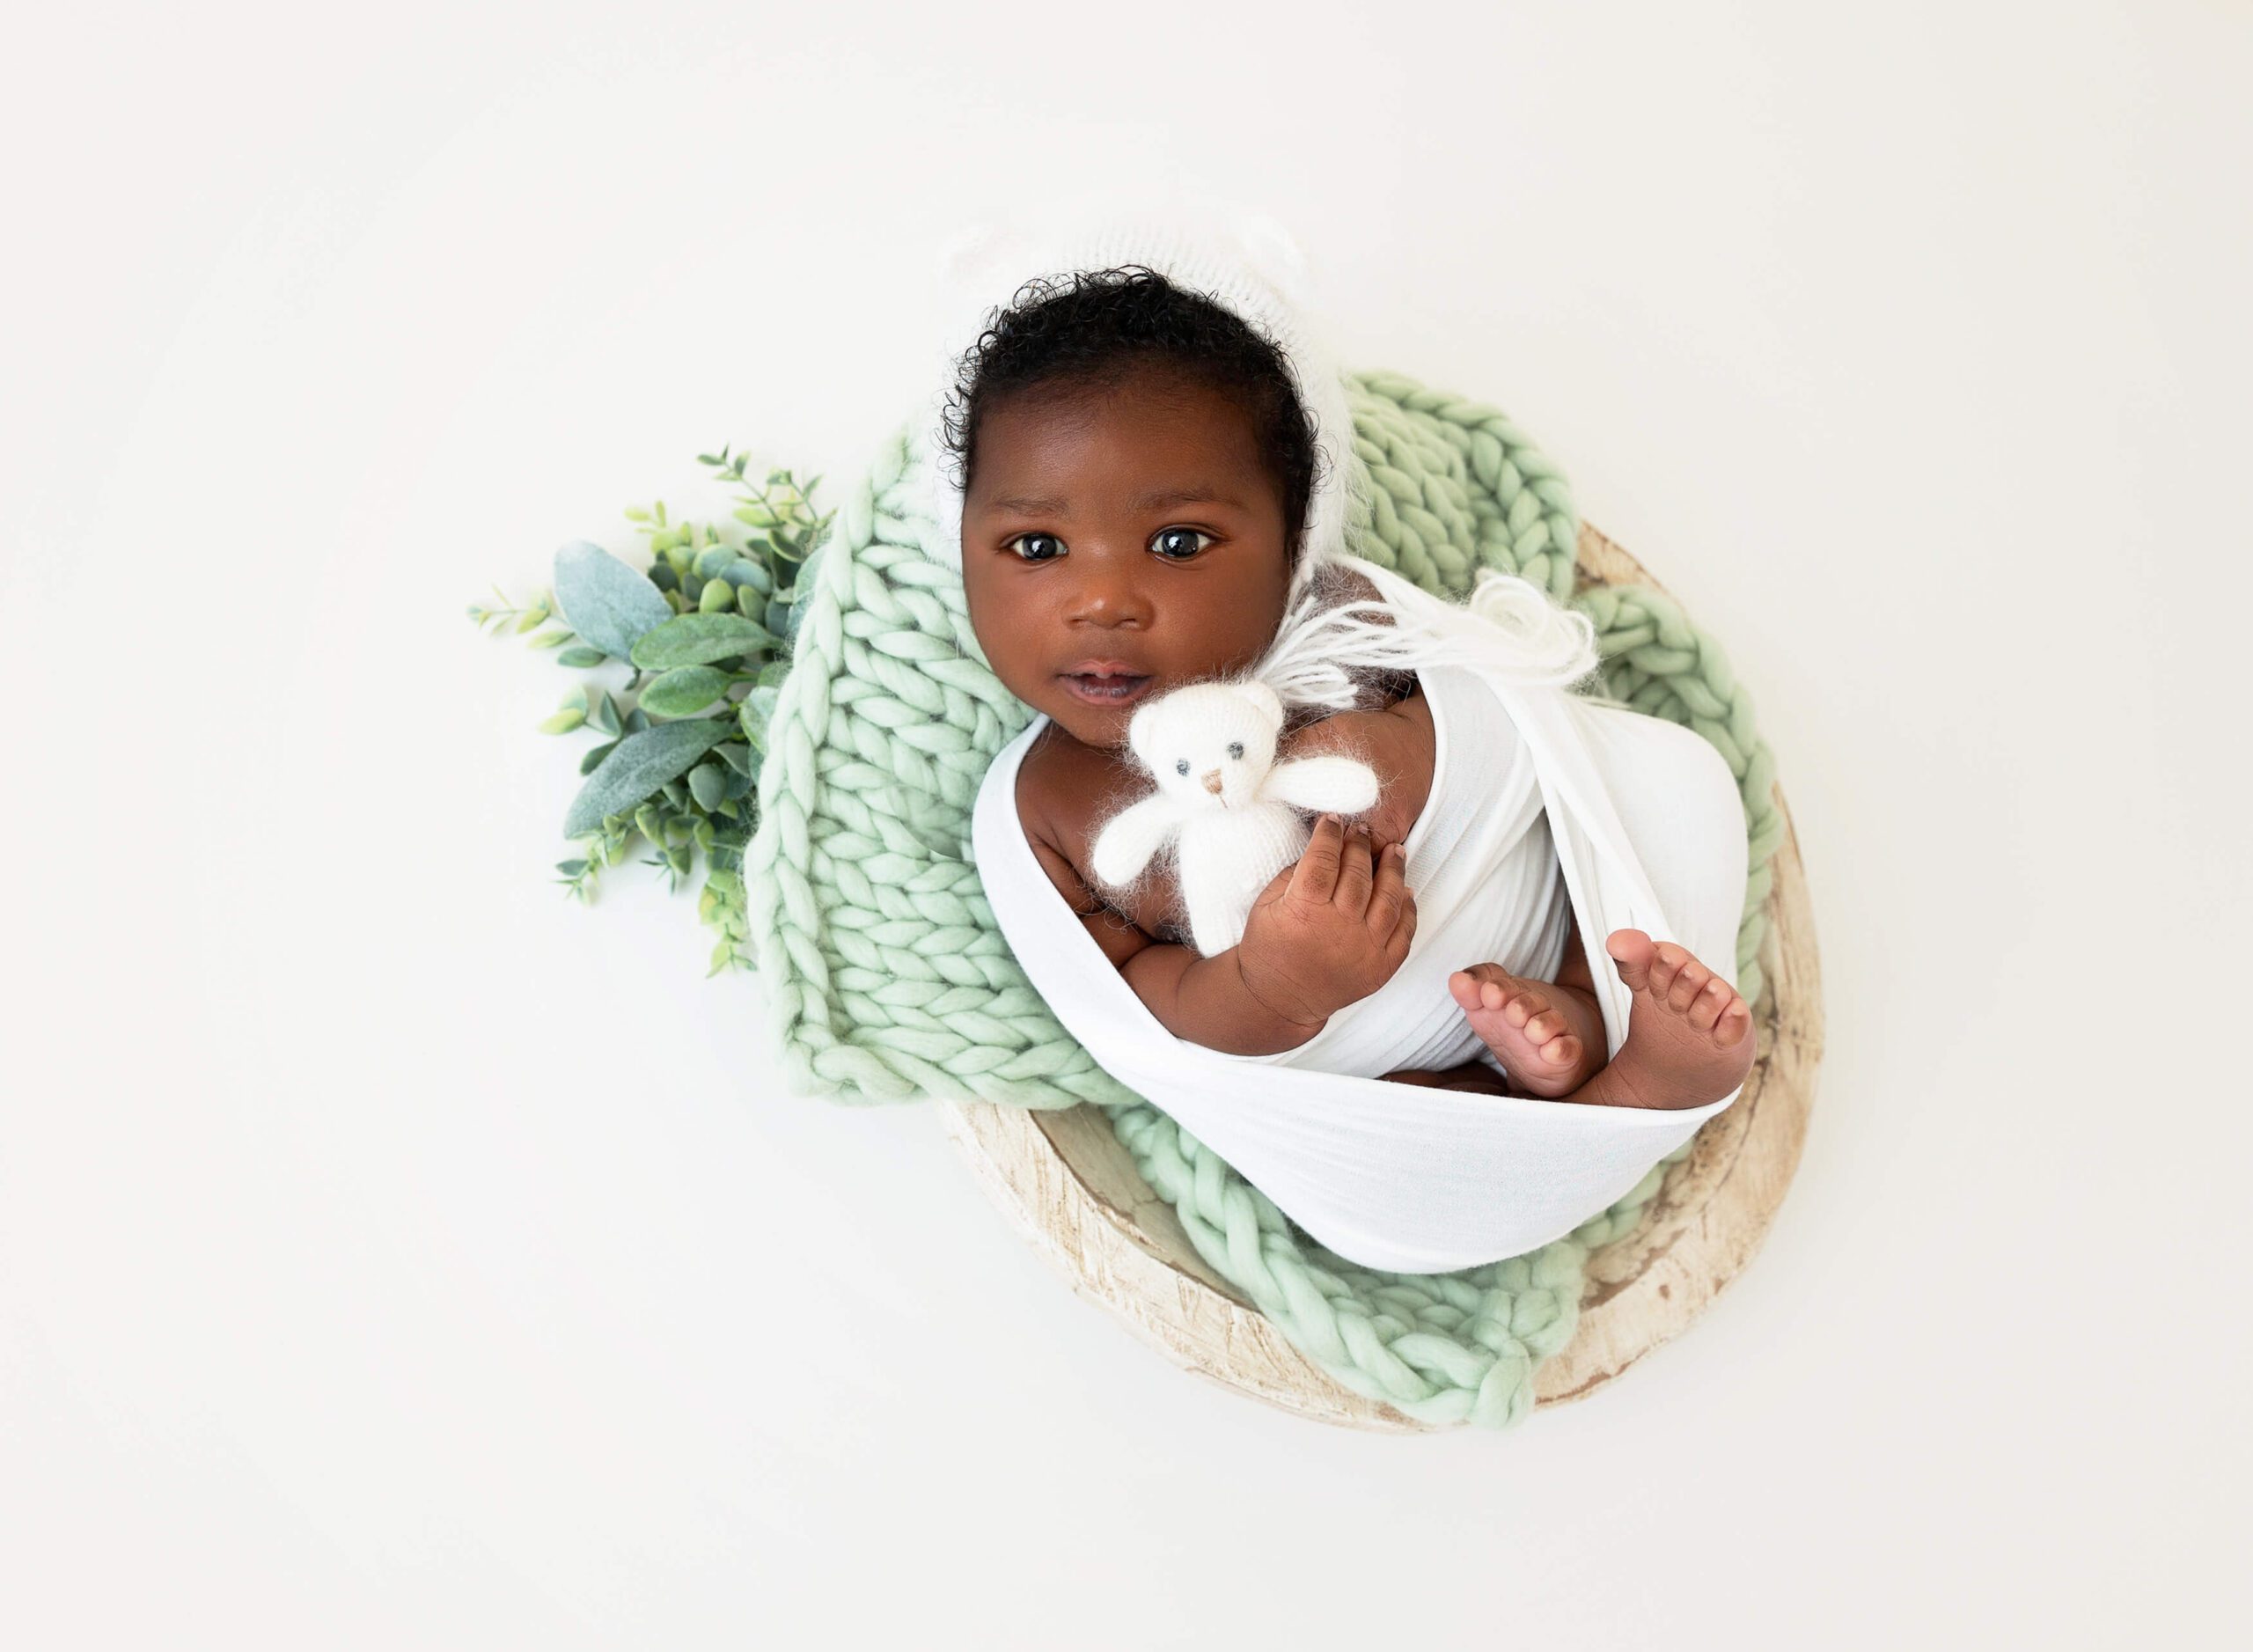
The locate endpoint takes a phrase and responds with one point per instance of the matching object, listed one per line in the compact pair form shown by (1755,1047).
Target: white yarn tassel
(1510,625)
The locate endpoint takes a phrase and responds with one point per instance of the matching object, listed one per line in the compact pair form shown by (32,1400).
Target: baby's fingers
(1355,873)
(1390,902)
(1316,875)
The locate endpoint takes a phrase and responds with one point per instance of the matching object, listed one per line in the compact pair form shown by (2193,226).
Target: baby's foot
(1545,1036)
(1689,1034)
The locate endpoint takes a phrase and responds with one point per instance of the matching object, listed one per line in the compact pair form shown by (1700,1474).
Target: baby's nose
(1213,780)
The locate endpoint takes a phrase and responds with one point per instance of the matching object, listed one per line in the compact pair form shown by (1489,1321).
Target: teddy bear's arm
(1131,837)
(1337,785)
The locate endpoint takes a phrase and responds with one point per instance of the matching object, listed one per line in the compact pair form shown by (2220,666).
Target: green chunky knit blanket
(889,981)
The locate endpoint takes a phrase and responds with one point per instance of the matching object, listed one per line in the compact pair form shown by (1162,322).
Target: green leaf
(641,764)
(696,639)
(602,714)
(743,571)
(772,673)
(716,596)
(607,602)
(563,723)
(581,656)
(708,781)
(594,755)
(714,558)
(552,639)
(570,869)
(683,692)
(737,757)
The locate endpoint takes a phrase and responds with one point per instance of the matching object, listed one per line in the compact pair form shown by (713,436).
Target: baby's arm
(1202,999)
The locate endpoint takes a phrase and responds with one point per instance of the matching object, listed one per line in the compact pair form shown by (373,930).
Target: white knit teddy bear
(1211,748)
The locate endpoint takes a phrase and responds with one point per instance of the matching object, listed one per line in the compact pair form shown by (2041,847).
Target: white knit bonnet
(1243,260)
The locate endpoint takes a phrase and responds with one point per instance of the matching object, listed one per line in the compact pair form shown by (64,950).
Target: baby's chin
(1103,727)
(1105,731)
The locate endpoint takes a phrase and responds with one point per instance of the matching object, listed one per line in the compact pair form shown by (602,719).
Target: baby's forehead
(1200,422)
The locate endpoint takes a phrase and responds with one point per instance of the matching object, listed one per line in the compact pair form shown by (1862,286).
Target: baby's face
(1136,527)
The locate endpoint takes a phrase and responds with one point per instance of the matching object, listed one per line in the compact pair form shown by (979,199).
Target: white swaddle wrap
(1488,890)
(1641,816)
(1648,832)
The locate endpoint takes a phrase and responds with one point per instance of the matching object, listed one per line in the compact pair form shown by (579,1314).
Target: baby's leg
(1548,1036)
(1472,1075)
(1689,1034)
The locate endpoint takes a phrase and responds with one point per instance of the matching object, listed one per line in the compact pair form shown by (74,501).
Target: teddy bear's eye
(1236,748)
(1181,766)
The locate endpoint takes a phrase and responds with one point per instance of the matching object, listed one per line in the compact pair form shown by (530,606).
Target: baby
(1137,468)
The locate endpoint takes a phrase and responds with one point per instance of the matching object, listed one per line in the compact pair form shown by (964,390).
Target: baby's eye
(1236,748)
(1181,766)
(1022,538)
(1163,534)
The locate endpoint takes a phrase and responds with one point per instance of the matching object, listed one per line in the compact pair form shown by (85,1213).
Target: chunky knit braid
(888,980)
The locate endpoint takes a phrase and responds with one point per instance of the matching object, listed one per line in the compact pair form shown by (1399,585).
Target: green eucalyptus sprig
(715,612)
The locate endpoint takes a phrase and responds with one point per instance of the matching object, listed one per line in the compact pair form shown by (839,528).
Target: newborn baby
(1136,471)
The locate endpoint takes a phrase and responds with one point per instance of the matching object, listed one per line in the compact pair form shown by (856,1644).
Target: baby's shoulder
(1063,790)
(1063,787)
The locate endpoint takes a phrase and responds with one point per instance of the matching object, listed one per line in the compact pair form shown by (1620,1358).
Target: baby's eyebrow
(1157,498)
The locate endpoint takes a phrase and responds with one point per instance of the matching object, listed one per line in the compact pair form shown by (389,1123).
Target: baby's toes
(1562,1050)
(1706,1007)
(1736,1023)
(1687,984)
(1666,963)
(1546,1025)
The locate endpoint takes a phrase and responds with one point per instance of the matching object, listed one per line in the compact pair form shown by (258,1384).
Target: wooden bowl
(1073,1190)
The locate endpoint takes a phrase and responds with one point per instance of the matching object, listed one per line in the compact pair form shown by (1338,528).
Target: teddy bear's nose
(1213,781)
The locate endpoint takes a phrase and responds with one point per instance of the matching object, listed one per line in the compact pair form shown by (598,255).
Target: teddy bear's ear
(1270,702)
(1140,729)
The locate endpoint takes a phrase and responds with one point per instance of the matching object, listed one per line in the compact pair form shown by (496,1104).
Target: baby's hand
(1329,929)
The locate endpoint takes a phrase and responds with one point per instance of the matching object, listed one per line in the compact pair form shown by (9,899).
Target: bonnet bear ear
(1275,253)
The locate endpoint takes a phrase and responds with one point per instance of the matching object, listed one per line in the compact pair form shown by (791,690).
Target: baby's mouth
(1106,689)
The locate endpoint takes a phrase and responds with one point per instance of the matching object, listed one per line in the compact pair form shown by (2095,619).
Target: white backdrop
(393,1253)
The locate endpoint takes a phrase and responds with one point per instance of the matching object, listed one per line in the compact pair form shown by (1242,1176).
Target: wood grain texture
(1073,1192)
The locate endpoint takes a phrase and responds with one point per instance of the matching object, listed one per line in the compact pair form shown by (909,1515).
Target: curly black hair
(1092,327)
